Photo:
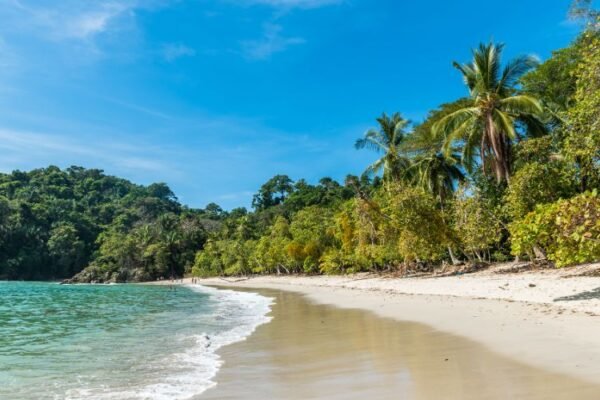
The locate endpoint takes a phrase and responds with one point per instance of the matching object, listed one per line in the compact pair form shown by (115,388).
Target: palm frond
(522,104)
(372,140)
(374,168)
(515,69)
(452,121)
(468,156)
(506,123)
(533,126)
(468,73)
(486,63)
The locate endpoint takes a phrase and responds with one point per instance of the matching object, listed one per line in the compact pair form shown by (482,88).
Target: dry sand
(543,319)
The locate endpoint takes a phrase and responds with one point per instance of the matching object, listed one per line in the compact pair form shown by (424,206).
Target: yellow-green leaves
(568,231)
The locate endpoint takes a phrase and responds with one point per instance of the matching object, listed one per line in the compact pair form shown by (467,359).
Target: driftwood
(528,266)
(461,269)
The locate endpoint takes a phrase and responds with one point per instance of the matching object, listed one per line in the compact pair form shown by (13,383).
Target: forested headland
(54,223)
(510,170)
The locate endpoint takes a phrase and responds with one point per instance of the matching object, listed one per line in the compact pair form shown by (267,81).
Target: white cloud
(66,20)
(91,23)
(71,19)
(173,51)
(271,42)
(44,148)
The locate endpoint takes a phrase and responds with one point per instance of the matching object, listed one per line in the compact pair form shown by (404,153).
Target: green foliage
(538,183)
(271,250)
(67,251)
(310,237)
(161,248)
(387,140)
(409,212)
(489,123)
(542,176)
(554,81)
(567,231)
(273,192)
(477,224)
(54,223)
(524,146)
(416,216)
(582,143)
(344,228)
(421,230)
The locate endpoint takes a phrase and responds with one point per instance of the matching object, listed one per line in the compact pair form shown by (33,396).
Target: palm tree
(438,173)
(488,123)
(433,169)
(387,140)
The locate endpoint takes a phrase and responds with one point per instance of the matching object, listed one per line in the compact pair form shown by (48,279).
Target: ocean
(118,341)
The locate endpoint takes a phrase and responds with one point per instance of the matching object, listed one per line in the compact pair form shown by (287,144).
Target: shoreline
(318,351)
(552,325)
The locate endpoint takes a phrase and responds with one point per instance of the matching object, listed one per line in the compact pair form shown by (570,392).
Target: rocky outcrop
(93,274)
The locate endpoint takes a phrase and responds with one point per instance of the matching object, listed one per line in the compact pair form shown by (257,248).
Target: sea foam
(192,371)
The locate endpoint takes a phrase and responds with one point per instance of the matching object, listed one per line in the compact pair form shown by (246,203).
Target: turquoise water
(117,341)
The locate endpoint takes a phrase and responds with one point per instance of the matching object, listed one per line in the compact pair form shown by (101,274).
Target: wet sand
(316,351)
(540,326)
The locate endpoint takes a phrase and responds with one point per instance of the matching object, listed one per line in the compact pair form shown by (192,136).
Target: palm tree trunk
(500,145)
(482,152)
(507,157)
(493,140)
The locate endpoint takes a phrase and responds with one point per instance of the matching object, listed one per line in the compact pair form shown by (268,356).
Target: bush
(568,231)
(477,225)
(538,183)
(422,234)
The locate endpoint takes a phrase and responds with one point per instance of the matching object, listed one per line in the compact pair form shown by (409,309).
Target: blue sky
(216,96)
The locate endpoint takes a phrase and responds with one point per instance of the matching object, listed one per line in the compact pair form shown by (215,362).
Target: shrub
(422,234)
(477,224)
(568,231)
(538,183)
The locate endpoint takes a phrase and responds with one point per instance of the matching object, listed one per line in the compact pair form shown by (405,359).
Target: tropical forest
(509,171)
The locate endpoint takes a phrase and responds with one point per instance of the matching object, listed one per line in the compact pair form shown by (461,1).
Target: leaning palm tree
(488,123)
(387,140)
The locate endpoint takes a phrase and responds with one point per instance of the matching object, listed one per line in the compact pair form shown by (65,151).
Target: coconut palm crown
(438,173)
(387,140)
(488,123)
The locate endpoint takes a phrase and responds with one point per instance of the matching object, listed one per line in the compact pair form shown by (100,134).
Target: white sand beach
(546,318)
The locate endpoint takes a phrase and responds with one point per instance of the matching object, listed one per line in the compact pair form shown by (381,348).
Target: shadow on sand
(588,295)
